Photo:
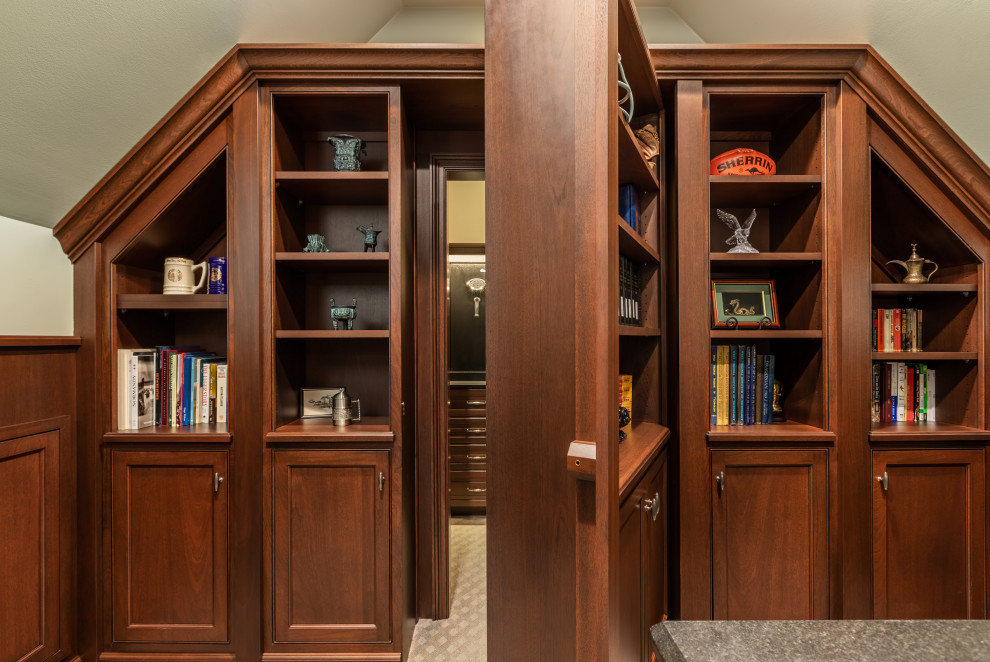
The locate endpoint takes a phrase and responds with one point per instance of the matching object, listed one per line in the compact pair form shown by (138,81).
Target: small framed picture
(317,402)
(744,303)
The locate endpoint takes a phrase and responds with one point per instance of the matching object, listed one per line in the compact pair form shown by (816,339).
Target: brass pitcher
(913,266)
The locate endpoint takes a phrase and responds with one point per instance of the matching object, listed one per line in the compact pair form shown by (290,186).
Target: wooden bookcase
(641,353)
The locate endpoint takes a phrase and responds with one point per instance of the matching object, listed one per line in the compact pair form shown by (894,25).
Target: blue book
(751,386)
(733,366)
(765,408)
(627,205)
(714,390)
(188,387)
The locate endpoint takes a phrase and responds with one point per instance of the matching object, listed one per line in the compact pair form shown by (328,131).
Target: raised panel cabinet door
(655,551)
(331,543)
(29,547)
(168,538)
(929,526)
(770,534)
(631,600)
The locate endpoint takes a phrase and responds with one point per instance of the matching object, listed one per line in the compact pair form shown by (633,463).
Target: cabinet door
(770,545)
(168,533)
(928,534)
(642,563)
(330,529)
(29,547)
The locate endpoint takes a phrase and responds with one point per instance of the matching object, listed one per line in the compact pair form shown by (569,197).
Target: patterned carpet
(464,636)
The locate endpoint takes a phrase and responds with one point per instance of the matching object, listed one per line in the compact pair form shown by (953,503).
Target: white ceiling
(83,81)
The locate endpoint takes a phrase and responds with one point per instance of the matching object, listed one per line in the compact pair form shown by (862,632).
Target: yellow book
(625,398)
(722,396)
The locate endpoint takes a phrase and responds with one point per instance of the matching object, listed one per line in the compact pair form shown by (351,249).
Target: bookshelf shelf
(759,191)
(926,432)
(171,302)
(763,260)
(322,334)
(642,444)
(769,334)
(634,246)
(336,261)
(633,168)
(353,188)
(371,429)
(203,433)
(925,356)
(639,331)
(927,288)
(773,432)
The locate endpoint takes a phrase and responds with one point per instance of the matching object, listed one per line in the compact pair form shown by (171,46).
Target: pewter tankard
(342,404)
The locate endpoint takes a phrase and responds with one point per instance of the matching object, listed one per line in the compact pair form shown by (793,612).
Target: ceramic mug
(179,276)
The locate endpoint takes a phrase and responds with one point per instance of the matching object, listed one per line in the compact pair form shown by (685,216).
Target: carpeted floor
(464,636)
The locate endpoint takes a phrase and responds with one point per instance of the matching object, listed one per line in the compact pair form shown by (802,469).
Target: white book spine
(222,393)
(132,392)
(123,397)
(901,392)
(204,395)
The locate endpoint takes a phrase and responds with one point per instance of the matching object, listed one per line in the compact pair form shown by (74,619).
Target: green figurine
(370,237)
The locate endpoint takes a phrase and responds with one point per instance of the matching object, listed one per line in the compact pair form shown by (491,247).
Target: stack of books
(630,292)
(170,386)
(742,385)
(897,330)
(903,392)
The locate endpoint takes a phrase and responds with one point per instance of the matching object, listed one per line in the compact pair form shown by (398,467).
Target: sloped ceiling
(83,81)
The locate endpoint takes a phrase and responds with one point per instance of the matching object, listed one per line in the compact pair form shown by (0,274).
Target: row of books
(897,330)
(903,392)
(628,203)
(630,292)
(742,385)
(170,386)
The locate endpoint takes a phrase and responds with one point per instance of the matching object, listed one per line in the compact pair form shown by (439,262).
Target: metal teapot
(913,266)
(345,152)
(342,414)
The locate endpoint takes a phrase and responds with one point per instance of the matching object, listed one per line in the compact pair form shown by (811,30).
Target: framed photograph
(317,402)
(744,303)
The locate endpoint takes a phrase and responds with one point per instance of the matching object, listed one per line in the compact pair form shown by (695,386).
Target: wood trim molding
(889,98)
(206,104)
(8,342)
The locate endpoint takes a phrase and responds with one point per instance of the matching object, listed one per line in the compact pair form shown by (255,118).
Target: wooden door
(929,526)
(770,545)
(331,543)
(643,562)
(29,547)
(168,546)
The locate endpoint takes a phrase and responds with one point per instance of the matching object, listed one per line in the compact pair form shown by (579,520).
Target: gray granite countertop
(695,641)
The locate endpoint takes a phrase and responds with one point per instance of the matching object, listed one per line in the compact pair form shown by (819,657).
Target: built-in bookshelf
(310,196)
(192,225)
(640,244)
(948,358)
(788,232)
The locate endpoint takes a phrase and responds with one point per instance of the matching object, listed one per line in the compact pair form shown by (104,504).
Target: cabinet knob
(720,482)
(883,481)
(217,481)
(653,505)
(476,489)
(381,482)
(476,457)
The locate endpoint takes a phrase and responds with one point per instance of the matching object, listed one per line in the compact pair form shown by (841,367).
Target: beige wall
(35,282)
(434,25)
(465,212)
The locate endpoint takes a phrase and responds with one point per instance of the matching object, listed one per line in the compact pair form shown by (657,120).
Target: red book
(896,323)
